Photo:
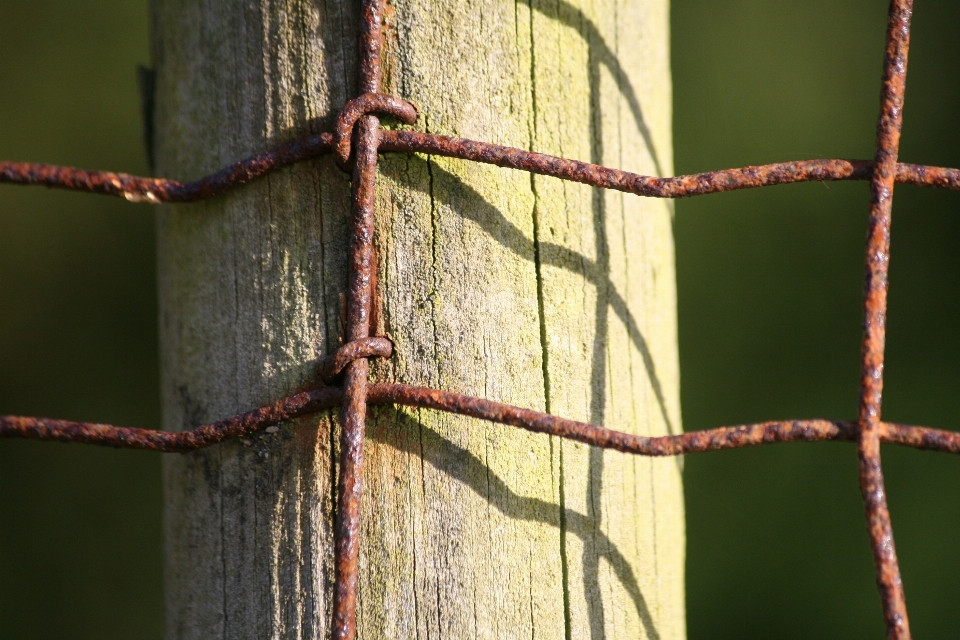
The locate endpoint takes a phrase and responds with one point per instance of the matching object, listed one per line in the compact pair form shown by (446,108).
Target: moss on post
(493,282)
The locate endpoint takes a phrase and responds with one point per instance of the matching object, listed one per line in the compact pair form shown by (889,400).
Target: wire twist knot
(373,347)
(368,103)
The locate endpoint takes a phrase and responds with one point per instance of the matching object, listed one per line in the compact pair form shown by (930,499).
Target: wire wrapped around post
(357,141)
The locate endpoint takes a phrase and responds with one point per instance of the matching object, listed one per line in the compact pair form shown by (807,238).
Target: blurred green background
(769,285)
(80,539)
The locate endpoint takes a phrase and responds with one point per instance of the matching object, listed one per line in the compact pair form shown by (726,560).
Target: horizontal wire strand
(159,190)
(317,400)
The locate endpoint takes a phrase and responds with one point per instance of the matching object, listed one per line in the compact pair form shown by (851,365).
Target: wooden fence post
(528,290)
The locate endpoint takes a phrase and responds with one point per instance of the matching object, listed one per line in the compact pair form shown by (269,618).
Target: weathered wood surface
(523,289)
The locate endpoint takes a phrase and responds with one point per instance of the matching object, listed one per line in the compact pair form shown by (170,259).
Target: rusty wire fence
(356,142)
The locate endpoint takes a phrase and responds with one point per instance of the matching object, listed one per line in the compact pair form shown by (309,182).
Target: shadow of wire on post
(869,431)
(432,446)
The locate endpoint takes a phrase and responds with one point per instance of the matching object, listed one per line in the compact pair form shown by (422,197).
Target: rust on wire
(362,348)
(391,394)
(359,310)
(167,441)
(876,284)
(368,103)
(750,177)
(159,190)
(358,138)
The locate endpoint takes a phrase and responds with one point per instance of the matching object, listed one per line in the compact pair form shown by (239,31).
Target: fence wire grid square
(356,142)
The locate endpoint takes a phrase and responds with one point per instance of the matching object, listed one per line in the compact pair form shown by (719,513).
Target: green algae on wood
(520,288)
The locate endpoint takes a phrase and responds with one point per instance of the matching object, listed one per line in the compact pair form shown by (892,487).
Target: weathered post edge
(466,527)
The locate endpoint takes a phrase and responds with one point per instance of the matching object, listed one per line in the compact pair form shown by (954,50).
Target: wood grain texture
(523,289)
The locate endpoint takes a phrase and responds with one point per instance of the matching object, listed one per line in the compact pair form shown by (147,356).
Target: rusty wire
(319,399)
(160,190)
(875,288)
(356,143)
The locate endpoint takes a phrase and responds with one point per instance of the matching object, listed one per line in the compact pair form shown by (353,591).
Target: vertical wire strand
(359,307)
(876,284)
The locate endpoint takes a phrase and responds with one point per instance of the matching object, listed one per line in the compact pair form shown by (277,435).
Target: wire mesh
(356,142)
